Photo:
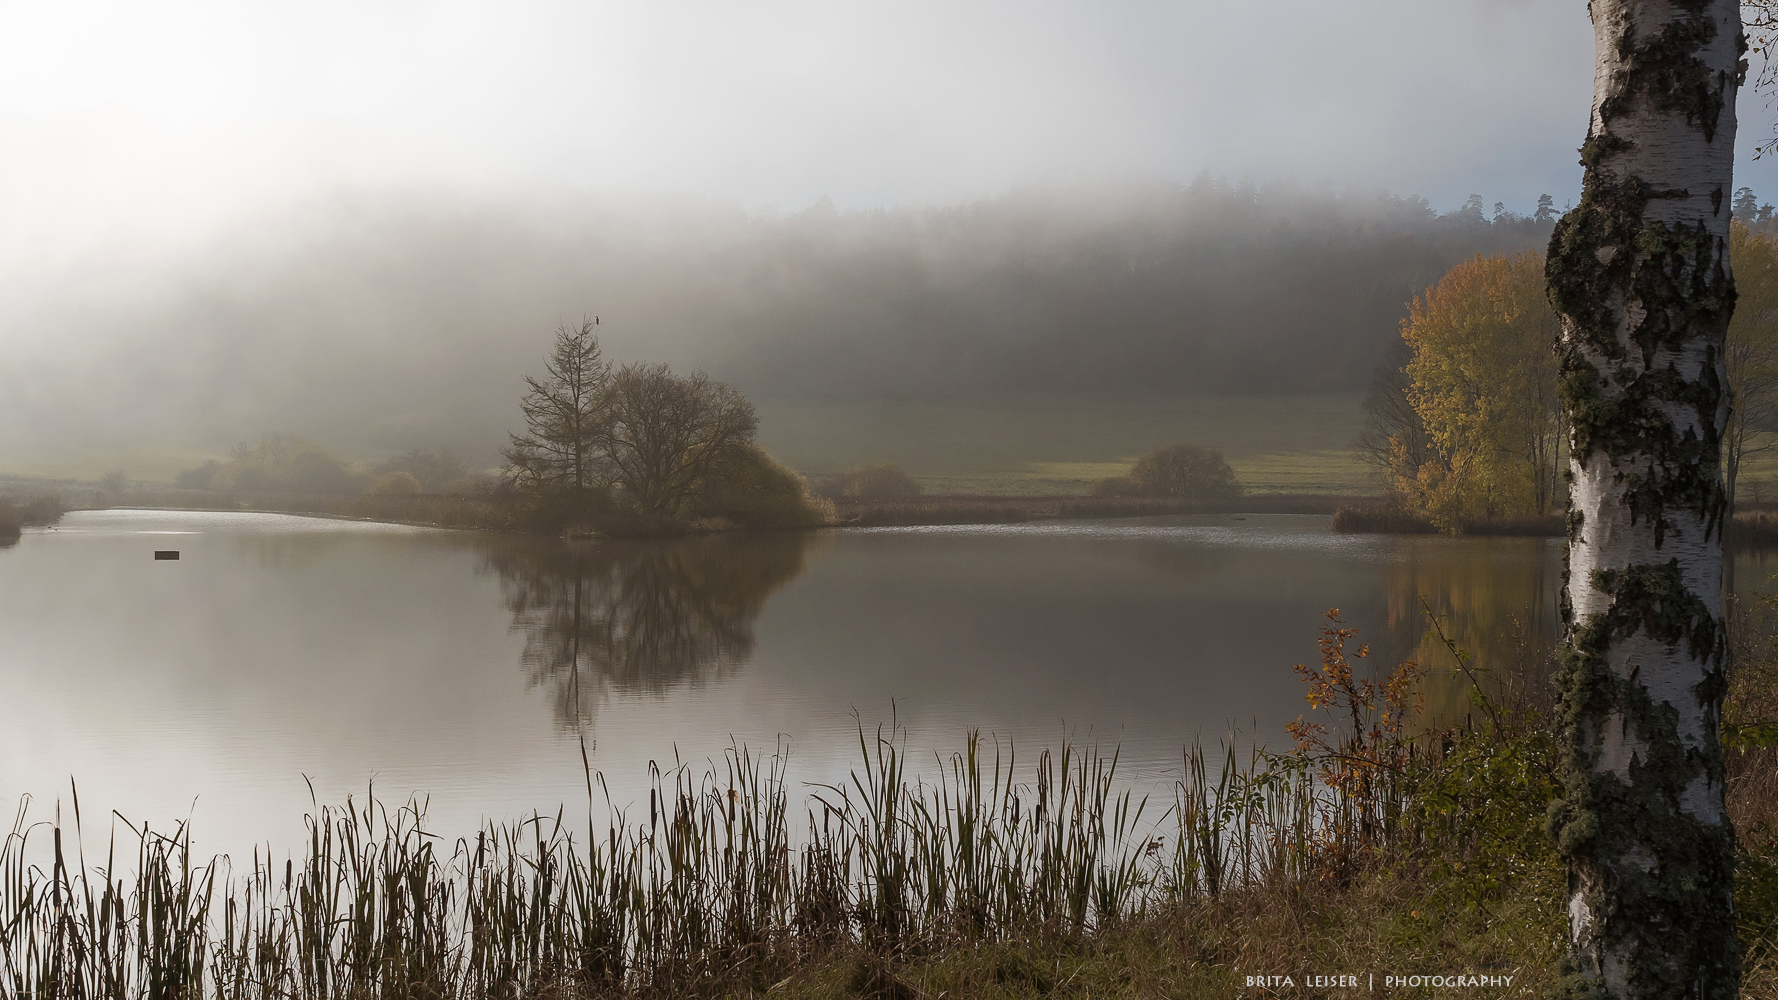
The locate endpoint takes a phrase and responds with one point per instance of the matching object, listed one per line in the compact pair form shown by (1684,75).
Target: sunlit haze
(199,200)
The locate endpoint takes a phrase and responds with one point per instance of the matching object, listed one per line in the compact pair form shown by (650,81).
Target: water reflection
(1496,599)
(638,616)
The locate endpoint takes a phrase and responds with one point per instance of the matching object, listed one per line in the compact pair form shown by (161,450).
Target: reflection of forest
(1497,599)
(638,616)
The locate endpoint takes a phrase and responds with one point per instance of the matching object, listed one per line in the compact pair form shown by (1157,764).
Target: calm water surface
(283,652)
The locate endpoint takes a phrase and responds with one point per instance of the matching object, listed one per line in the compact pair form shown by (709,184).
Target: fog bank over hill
(377,322)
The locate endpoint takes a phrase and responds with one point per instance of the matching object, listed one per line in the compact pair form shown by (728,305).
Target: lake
(281,654)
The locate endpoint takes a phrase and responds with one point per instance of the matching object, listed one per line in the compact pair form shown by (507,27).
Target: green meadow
(1286,444)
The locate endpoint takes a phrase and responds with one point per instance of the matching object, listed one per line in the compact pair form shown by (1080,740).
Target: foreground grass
(996,876)
(1208,950)
(978,885)
(1367,852)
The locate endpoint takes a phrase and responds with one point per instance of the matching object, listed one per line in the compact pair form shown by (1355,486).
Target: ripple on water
(126,521)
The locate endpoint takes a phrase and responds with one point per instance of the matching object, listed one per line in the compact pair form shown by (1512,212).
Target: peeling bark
(1639,274)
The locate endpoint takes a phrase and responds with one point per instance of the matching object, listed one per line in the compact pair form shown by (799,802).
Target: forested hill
(1207,287)
(382,321)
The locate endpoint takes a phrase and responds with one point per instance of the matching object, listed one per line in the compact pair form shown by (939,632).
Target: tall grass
(733,883)
(709,892)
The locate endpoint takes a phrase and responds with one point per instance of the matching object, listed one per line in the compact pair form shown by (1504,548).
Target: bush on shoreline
(883,481)
(1393,518)
(34,512)
(1182,472)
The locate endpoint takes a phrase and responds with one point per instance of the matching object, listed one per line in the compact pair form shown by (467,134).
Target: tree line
(1161,289)
(291,464)
(1205,287)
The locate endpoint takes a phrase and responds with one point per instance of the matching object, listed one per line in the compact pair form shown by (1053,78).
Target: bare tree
(1762,40)
(566,415)
(665,432)
(1639,275)
(1394,436)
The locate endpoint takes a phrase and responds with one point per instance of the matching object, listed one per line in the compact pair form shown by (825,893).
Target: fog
(361,223)
(380,324)
(160,120)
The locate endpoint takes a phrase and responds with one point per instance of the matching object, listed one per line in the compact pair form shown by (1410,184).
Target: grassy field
(1290,444)
(1298,444)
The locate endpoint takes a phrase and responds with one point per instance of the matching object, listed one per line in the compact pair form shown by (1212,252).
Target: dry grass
(1752,530)
(1003,876)
(851,512)
(994,881)
(1385,517)
(1252,503)
(1381,518)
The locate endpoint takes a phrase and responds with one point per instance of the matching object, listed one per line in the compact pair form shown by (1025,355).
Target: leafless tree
(664,433)
(1393,432)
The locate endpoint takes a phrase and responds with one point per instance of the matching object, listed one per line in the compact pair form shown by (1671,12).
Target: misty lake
(280,653)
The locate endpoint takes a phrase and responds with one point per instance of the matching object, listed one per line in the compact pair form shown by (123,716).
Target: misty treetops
(1161,289)
(1213,286)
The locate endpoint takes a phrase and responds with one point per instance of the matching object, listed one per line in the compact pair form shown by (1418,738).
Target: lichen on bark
(1639,274)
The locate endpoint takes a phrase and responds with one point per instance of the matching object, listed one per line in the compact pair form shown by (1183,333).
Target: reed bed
(1248,503)
(976,870)
(709,894)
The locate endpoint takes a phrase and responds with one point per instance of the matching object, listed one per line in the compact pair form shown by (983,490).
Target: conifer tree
(565,416)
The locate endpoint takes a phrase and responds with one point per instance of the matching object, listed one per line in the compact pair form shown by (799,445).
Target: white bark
(1639,274)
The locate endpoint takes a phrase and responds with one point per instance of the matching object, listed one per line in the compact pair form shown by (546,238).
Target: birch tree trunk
(1639,274)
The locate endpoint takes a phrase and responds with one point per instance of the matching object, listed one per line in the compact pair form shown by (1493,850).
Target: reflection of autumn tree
(1497,599)
(638,616)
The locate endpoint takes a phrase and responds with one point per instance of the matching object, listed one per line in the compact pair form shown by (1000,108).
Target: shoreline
(1749,529)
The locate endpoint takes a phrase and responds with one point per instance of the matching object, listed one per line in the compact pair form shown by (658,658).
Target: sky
(125,121)
(177,177)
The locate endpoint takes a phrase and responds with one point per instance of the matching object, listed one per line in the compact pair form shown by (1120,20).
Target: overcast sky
(127,120)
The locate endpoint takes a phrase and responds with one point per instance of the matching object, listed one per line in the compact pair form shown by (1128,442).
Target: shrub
(1381,518)
(18,514)
(434,471)
(883,481)
(1184,472)
(277,463)
(201,478)
(396,483)
(749,489)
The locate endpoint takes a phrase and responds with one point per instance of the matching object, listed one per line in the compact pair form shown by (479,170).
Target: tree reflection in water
(638,616)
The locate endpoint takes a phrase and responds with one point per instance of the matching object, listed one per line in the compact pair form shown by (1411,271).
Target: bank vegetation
(1375,841)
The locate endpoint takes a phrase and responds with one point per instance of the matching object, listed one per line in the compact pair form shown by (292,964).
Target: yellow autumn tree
(1483,380)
